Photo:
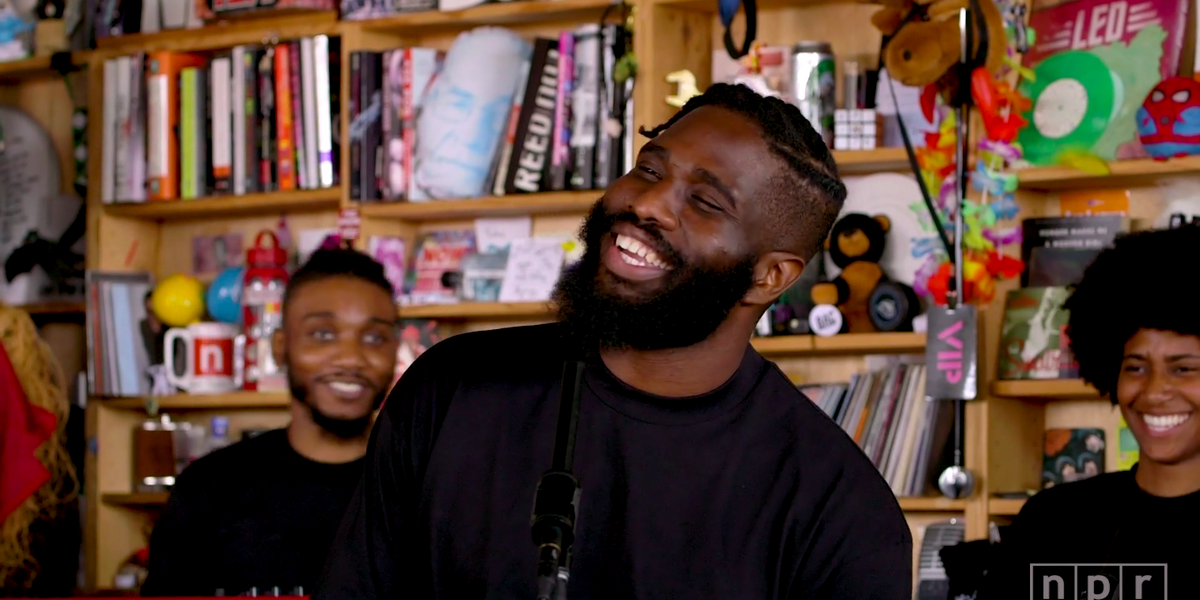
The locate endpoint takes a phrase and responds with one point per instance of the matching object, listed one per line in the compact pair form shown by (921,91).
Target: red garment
(23,428)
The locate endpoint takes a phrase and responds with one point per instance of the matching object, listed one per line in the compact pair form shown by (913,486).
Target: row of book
(887,415)
(564,124)
(254,118)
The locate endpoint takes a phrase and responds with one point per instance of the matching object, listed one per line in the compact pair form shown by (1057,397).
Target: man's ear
(279,346)
(773,275)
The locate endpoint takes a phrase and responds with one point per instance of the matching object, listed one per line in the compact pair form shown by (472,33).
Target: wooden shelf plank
(1005,507)
(492,206)
(53,308)
(462,311)
(1046,389)
(851,343)
(1124,173)
(708,6)
(226,33)
(232,400)
(857,343)
(931,504)
(230,206)
(503,13)
(859,162)
(142,500)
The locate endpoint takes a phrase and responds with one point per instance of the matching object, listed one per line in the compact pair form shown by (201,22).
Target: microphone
(557,498)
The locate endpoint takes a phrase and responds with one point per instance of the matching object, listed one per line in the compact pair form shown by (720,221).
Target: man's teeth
(345,387)
(649,258)
(1165,422)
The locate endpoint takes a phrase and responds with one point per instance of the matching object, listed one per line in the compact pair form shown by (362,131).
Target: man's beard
(343,428)
(692,302)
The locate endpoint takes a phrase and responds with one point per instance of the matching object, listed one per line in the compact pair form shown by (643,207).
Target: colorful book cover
(1072,455)
(1094,63)
(416,336)
(1128,451)
(438,254)
(1033,338)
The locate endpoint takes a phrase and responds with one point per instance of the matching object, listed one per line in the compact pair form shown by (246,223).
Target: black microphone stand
(557,498)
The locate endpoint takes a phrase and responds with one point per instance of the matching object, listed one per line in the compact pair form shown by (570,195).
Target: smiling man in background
(705,473)
(262,513)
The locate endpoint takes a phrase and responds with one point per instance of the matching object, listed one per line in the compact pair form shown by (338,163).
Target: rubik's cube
(855,129)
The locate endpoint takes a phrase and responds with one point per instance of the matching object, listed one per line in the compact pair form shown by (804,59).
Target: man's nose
(658,204)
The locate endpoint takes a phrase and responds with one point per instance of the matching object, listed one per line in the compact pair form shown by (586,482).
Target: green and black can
(814,81)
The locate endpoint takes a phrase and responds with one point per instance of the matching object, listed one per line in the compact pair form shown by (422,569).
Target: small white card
(534,266)
(494,235)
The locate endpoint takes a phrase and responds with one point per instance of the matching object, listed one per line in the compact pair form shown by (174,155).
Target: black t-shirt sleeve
(180,541)
(884,574)
(376,551)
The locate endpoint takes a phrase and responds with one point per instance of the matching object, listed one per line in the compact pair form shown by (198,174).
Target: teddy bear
(868,300)
(926,42)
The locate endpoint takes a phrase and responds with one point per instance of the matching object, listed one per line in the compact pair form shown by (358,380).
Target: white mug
(215,358)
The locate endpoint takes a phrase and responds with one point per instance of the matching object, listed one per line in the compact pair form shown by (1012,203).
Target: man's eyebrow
(653,148)
(706,176)
(324,314)
(710,178)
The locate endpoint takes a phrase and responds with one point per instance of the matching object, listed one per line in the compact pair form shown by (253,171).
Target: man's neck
(1169,481)
(682,372)
(314,443)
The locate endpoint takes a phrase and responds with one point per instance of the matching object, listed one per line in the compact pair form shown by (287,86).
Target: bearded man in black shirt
(262,513)
(704,472)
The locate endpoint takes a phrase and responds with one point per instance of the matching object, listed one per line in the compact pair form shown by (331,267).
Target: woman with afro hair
(1134,327)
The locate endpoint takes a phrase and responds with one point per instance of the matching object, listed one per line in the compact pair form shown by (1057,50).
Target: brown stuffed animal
(923,51)
(857,245)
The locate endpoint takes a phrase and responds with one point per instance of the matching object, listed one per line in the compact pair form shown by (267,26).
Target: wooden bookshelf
(671,35)
(1005,507)
(858,162)
(269,203)
(504,13)
(908,504)
(53,308)
(931,504)
(140,501)
(181,402)
(850,343)
(462,311)
(1124,173)
(549,203)
(226,34)
(1045,389)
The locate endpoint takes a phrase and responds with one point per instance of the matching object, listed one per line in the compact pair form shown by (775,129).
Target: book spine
(530,156)
(325,88)
(222,116)
(560,155)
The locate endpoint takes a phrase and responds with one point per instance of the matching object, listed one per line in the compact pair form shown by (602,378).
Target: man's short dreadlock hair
(326,263)
(1137,284)
(809,197)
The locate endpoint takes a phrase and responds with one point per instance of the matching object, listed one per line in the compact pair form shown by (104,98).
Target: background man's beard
(694,299)
(343,428)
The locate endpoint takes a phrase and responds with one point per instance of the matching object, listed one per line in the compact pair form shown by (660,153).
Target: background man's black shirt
(1105,519)
(746,492)
(253,514)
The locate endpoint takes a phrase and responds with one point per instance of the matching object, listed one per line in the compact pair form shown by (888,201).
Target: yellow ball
(178,300)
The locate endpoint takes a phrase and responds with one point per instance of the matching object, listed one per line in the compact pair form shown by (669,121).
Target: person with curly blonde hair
(37,478)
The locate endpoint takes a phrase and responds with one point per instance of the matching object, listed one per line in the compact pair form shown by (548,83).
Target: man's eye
(648,170)
(323,335)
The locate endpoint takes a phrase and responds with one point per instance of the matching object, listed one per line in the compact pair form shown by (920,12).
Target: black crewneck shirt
(749,491)
(255,514)
(1103,520)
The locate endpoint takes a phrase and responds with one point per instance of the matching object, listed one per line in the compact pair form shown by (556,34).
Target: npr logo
(1098,582)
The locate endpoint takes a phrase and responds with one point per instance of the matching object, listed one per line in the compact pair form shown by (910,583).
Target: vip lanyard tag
(951,359)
